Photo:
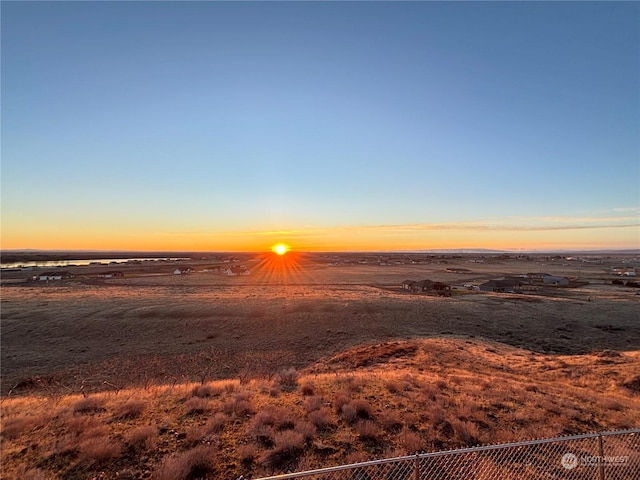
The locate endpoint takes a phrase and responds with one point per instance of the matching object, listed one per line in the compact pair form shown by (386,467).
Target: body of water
(93,261)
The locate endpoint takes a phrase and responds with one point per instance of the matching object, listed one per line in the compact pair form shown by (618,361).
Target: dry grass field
(156,375)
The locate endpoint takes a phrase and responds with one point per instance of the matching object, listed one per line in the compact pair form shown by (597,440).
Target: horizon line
(426,250)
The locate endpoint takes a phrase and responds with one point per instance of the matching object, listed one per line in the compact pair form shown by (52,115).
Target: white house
(182,271)
(234,270)
(46,276)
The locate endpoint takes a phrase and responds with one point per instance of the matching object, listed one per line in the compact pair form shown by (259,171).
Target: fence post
(600,458)
(416,468)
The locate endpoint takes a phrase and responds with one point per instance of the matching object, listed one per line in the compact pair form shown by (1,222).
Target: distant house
(182,271)
(441,288)
(556,281)
(520,280)
(46,276)
(216,269)
(406,285)
(500,286)
(113,274)
(458,270)
(547,279)
(624,271)
(537,276)
(427,286)
(236,270)
(421,286)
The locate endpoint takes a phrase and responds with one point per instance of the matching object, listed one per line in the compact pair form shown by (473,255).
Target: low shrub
(392,386)
(363,409)
(197,405)
(195,434)
(307,429)
(207,390)
(464,432)
(130,409)
(240,405)
(368,431)
(229,387)
(313,403)
(321,419)
(353,384)
(64,445)
(307,388)
(390,420)
(77,424)
(430,391)
(288,446)
(274,416)
(348,412)
(289,440)
(247,454)
(25,473)
(198,462)
(287,379)
(340,399)
(98,449)
(263,435)
(142,437)
(13,427)
(410,441)
(99,430)
(89,405)
(217,422)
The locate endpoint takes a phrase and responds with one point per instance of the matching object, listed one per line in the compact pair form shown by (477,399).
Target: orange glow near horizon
(280,269)
(280,248)
(317,239)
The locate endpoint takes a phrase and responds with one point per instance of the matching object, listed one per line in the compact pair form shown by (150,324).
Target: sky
(330,126)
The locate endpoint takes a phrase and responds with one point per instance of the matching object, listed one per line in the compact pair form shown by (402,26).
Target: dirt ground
(152,326)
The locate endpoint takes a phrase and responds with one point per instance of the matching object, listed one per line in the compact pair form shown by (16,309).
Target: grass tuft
(368,431)
(207,390)
(313,403)
(98,449)
(287,379)
(89,405)
(410,441)
(14,427)
(129,410)
(321,419)
(191,464)
(197,405)
(307,388)
(288,446)
(142,438)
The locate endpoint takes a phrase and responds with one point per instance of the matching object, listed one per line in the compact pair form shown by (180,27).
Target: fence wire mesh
(597,456)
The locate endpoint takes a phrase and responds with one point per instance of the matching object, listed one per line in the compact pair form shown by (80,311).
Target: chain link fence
(597,456)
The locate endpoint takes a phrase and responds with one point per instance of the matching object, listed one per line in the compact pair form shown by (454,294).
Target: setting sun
(280,248)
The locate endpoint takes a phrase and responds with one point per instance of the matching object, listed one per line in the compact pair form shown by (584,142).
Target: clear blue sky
(364,125)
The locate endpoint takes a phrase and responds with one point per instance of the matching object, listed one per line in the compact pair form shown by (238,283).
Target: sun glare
(280,248)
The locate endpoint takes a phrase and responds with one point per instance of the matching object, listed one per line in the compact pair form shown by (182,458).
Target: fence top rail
(483,448)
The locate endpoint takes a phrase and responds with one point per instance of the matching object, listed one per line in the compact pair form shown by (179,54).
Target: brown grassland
(165,376)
